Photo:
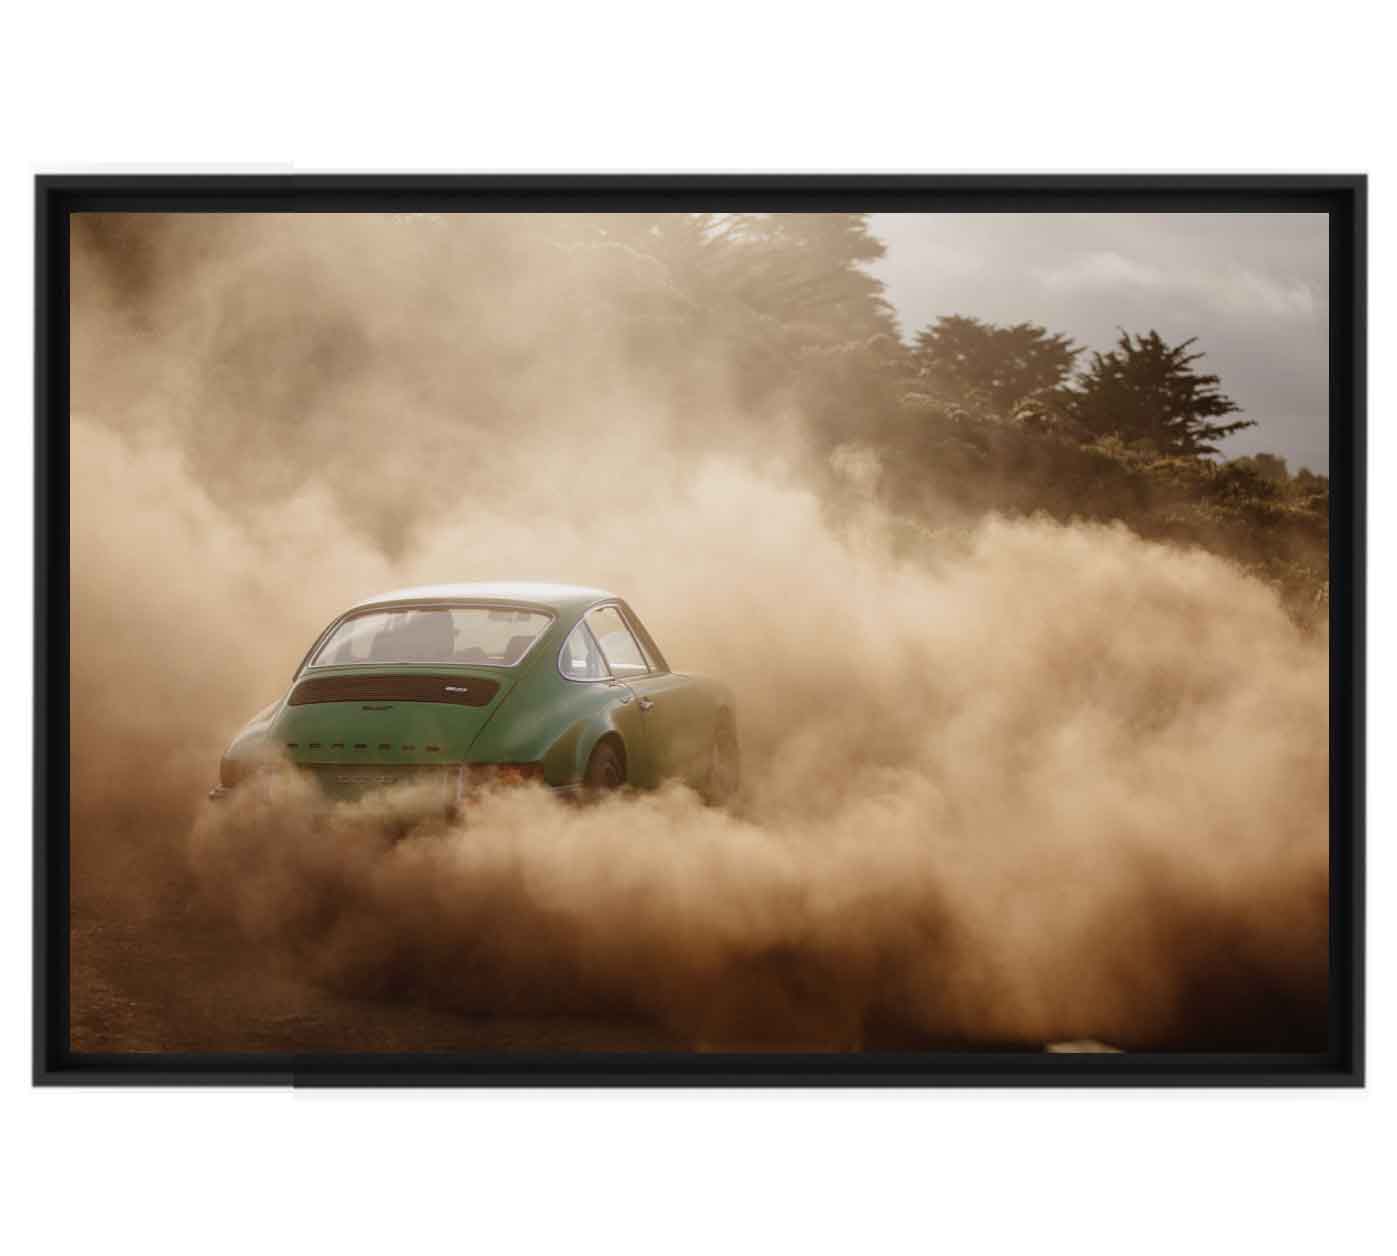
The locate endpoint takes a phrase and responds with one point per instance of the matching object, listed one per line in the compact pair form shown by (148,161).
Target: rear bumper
(564,793)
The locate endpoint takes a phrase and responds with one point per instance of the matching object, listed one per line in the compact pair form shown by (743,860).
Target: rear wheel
(606,771)
(724,765)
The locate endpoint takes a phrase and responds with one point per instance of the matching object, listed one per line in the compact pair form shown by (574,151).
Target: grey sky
(1254,289)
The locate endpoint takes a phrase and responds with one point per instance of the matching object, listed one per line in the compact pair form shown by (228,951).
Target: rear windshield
(492,636)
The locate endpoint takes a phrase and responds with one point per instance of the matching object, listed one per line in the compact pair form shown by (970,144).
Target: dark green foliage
(950,465)
(1144,389)
(1268,467)
(984,368)
(763,316)
(758,317)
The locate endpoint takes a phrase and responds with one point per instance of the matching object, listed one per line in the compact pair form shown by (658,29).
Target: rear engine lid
(409,716)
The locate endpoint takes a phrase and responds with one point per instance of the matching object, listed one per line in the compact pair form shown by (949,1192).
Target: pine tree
(982,366)
(1145,389)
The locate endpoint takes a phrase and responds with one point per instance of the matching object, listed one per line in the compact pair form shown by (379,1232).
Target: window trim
(649,651)
(649,648)
(381,608)
(620,609)
(610,677)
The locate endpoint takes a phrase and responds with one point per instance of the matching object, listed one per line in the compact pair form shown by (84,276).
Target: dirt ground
(156,966)
(178,983)
(155,969)
(161,974)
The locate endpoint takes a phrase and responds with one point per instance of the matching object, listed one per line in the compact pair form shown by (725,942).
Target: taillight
(233,772)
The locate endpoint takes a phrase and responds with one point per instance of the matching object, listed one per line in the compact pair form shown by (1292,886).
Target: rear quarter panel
(557,722)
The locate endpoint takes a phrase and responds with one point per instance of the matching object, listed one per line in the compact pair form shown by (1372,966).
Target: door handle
(645,704)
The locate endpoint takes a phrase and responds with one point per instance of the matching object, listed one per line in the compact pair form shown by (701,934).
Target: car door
(672,732)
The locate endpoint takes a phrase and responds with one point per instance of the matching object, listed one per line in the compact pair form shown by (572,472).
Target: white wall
(874,86)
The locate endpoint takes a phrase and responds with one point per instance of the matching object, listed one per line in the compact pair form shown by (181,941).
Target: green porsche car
(476,683)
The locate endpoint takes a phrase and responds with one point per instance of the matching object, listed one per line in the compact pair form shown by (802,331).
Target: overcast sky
(1254,289)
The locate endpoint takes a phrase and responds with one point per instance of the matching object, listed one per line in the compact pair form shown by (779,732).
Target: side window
(617,643)
(647,642)
(580,658)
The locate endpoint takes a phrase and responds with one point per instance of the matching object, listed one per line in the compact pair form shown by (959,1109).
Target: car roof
(557,597)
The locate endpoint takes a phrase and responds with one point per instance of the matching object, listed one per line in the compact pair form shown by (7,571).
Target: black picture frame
(1342,197)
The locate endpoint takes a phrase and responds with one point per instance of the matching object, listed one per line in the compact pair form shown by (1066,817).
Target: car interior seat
(426,637)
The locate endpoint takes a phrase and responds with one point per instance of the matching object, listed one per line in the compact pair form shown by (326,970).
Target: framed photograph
(697,630)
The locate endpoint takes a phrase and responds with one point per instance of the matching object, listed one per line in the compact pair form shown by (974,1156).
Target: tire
(606,771)
(724,775)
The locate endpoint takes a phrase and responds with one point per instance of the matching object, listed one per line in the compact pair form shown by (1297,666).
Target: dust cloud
(1008,781)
